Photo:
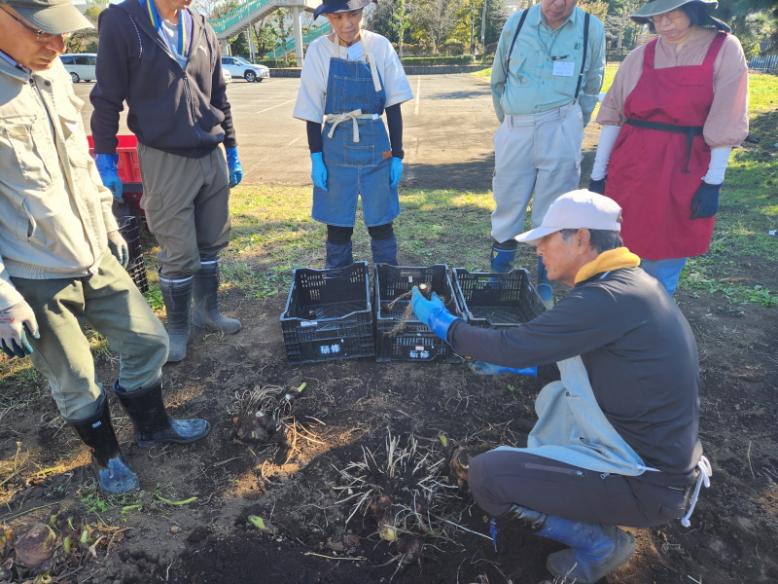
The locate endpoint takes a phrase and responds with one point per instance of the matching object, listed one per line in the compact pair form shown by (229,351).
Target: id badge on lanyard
(563,69)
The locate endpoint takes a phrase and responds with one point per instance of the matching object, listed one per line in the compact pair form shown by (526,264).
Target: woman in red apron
(676,109)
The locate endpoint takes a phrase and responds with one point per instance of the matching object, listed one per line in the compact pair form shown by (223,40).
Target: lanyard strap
(156,22)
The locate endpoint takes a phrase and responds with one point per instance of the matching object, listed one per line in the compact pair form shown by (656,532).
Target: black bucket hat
(329,6)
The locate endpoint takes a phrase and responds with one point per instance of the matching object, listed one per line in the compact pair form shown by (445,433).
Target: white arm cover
(608,136)
(719,159)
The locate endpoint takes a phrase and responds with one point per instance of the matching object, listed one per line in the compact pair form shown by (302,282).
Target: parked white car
(81,66)
(240,68)
(226,75)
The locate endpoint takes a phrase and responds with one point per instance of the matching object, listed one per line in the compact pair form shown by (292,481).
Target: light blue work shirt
(543,69)
(11,61)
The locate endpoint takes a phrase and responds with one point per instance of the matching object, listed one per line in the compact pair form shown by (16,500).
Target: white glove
(119,248)
(15,323)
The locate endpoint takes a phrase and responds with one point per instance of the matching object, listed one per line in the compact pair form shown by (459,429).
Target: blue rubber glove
(395,172)
(706,201)
(233,164)
(318,171)
(484,368)
(107,165)
(433,313)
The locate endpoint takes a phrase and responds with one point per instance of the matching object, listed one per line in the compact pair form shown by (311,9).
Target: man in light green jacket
(59,246)
(546,76)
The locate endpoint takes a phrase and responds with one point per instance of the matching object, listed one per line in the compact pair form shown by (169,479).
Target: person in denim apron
(349,78)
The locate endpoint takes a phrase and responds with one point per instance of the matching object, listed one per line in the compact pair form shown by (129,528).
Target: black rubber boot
(206,301)
(177,295)
(114,475)
(152,423)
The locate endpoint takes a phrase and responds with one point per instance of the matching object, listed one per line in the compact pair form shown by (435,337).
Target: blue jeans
(668,272)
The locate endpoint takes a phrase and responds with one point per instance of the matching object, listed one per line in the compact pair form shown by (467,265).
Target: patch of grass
(17,371)
(94,501)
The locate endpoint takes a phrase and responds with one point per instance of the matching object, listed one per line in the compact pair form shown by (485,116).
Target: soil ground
(191,523)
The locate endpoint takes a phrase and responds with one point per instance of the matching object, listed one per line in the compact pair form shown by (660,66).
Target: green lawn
(274,233)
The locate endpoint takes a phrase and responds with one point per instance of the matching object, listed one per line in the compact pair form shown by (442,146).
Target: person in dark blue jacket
(163,60)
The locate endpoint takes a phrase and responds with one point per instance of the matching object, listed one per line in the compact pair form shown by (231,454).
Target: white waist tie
(353,115)
(703,479)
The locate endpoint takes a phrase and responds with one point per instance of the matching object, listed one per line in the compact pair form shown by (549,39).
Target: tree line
(453,27)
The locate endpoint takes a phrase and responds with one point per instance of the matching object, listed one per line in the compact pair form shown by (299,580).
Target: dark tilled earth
(190,524)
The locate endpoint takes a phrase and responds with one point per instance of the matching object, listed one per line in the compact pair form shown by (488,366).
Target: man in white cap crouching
(616,442)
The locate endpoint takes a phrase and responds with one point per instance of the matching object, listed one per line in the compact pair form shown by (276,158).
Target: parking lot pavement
(448,132)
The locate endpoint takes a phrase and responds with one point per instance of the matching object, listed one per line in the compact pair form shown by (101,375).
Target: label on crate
(419,353)
(333,349)
(307,323)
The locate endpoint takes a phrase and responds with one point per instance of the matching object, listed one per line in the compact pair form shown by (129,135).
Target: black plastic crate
(410,340)
(129,227)
(328,315)
(496,300)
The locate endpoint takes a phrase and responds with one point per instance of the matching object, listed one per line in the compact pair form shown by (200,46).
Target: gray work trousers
(111,303)
(534,153)
(499,479)
(187,207)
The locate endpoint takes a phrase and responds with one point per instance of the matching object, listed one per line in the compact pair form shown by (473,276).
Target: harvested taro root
(263,416)
(35,548)
(426,291)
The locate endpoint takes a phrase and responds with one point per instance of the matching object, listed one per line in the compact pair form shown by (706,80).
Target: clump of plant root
(406,491)
(264,415)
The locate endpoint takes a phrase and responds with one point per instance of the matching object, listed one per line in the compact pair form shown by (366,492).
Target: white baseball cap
(579,209)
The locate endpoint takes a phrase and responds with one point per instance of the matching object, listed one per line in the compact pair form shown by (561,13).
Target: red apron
(660,157)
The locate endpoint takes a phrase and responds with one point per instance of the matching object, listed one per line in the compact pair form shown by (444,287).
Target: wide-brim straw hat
(330,6)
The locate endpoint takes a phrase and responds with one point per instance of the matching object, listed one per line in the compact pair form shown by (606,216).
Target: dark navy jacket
(181,111)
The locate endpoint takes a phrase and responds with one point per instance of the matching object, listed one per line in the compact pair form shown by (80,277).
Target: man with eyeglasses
(547,74)
(61,253)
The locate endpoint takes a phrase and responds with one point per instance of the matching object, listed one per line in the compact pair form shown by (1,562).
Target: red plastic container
(128,168)
(127,149)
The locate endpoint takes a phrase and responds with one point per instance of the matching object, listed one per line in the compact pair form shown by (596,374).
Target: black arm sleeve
(315,142)
(394,118)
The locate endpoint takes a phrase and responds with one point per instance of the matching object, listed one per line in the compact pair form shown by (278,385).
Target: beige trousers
(113,306)
(187,207)
(538,153)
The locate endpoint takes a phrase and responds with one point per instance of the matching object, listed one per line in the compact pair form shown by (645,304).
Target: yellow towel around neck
(613,259)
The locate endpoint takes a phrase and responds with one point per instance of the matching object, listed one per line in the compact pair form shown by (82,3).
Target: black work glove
(598,186)
(706,201)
